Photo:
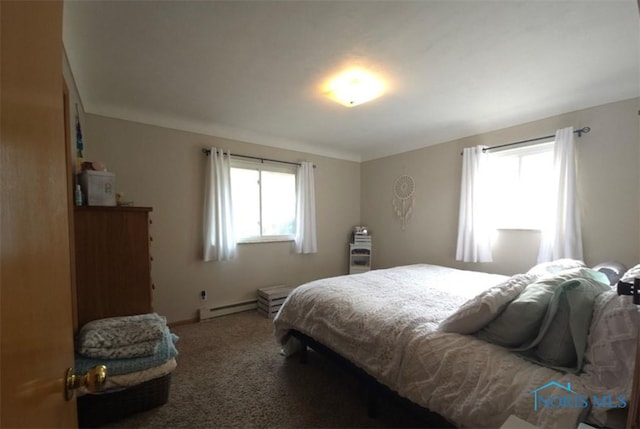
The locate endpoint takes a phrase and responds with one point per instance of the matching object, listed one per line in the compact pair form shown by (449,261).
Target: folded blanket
(166,351)
(145,348)
(121,337)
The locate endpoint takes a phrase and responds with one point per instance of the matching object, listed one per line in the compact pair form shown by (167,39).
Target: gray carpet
(230,374)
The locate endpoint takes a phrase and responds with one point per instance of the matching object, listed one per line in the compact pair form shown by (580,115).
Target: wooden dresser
(112,262)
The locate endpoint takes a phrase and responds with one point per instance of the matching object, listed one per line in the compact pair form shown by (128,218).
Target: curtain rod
(208,151)
(580,132)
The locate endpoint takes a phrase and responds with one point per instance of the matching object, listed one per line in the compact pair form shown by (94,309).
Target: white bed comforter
(479,385)
(385,321)
(368,318)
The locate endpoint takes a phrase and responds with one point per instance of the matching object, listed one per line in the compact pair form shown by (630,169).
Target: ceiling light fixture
(353,87)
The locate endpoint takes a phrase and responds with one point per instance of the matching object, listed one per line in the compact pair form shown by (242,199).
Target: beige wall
(74,100)
(608,182)
(164,169)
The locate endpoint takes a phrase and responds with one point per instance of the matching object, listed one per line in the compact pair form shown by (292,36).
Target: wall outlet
(203,295)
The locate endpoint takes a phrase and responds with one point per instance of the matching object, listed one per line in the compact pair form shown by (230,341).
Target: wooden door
(35,302)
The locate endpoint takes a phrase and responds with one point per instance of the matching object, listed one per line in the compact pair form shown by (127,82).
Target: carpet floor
(230,374)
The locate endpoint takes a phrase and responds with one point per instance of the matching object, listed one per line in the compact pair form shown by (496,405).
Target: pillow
(613,270)
(556,266)
(556,348)
(631,274)
(521,319)
(477,312)
(562,339)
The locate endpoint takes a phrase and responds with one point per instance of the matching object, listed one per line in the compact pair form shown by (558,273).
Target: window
(521,190)
(264,201)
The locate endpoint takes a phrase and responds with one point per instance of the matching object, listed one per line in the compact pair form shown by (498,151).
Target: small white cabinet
(359,258)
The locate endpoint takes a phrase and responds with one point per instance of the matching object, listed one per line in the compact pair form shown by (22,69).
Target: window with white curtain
(264,201)
(521,188)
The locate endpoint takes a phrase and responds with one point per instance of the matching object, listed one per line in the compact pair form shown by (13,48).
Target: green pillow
(520,321)
(556,347)
(562,340)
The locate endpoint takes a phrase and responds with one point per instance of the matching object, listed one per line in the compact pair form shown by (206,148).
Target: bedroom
(352,189)
(351,192)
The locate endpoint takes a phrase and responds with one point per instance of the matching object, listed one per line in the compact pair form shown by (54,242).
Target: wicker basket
(100,409)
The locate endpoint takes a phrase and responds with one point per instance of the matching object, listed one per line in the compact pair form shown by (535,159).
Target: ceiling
(254,70)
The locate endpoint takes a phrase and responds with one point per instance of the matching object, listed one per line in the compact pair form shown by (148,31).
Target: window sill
(266,240)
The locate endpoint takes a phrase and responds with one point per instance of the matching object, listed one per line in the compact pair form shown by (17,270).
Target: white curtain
(474,233)
(219,241)
(562,235)
(306,241)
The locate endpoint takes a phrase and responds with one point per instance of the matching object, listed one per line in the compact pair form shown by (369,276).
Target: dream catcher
(403,199)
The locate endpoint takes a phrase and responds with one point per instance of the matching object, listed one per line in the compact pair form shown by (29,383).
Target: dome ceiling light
(353,87)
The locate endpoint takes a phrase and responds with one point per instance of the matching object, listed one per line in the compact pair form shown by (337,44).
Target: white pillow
(556,266)
(474,314)
(631,274)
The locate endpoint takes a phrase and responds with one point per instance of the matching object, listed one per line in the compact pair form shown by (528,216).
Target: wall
(164,169)
(74,102)
(608,181)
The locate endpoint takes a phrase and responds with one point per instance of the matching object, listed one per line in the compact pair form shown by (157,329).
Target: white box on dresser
(98,188)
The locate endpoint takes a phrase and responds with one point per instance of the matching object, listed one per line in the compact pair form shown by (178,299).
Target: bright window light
(264,201)
(245,195)
(278,203)
(521,187)
(353,87)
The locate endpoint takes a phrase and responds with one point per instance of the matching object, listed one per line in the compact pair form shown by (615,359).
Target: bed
(408,328)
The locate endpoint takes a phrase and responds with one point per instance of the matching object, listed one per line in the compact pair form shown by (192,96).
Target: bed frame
(374,389)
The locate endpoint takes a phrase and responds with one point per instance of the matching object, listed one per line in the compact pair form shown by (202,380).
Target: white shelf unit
(359,258)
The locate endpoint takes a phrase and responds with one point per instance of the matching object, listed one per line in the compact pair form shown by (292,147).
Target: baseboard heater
(222,310)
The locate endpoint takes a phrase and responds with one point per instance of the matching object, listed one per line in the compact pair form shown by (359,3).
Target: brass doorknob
(94,380)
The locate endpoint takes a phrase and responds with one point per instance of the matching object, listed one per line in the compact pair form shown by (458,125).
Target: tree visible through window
(521,191)
(264,201)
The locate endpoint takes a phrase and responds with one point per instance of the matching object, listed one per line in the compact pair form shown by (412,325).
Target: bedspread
(369,317)
(477,384)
